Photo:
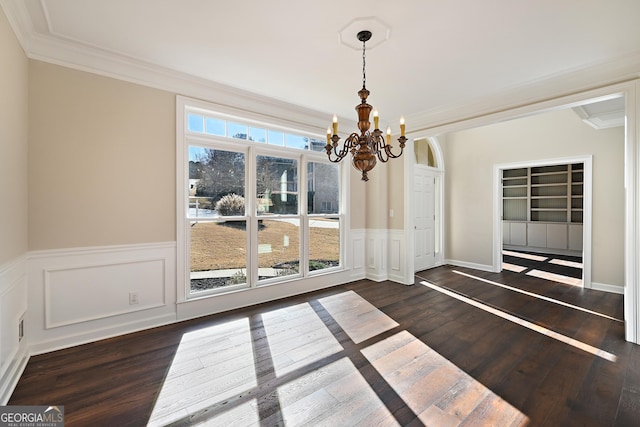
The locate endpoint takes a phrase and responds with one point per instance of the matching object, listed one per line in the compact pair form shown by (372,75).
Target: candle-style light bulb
(401,126)
(389,135)
(335,124)
(376,119)
(328,136)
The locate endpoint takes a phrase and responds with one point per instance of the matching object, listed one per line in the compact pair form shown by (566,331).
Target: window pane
(324,243)
(278,248)
(297,141)
(215,265)
(276,138)
(195,122)
(237,131)
(216,183)
(257,134)
(215,126)
(318,144)
(276,185)
(323,188)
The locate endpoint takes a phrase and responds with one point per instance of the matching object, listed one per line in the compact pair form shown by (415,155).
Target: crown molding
(39,43)
(620,70)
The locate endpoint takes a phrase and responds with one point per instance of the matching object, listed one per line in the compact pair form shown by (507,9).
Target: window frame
(251,150)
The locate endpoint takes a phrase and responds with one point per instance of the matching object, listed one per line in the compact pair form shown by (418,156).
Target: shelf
(539,170)
(515,173)
(543,194)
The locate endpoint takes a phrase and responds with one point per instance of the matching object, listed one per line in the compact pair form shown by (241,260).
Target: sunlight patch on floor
(560,278)
(434,388)
(529,325)
(566,263)
(525,256)
(287,367)
(332,395)
(211,365)
(513,267)
(357,316)
(297,337)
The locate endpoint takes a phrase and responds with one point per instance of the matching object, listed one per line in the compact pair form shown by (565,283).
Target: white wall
(471,154)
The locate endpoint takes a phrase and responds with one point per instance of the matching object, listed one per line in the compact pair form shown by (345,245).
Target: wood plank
(364,354)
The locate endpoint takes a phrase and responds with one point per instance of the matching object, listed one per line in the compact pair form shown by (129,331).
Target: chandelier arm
(381,148)
(388,148)
(349,144)
(339,155)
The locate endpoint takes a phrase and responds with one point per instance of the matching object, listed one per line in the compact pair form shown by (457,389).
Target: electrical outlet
(133,298)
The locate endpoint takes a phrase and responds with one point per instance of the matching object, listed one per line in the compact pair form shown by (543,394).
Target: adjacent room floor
(565,269)
(459,347)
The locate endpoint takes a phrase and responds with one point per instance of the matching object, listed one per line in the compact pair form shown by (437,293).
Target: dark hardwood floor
(458,350)
(563,268)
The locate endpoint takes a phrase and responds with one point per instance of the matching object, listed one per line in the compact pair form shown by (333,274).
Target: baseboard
(547,251)
(11,376)
(607,288)
(398,278)
(88,336)
(375,277)
(475,266)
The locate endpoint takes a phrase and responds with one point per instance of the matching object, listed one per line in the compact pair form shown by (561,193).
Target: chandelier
(367,145)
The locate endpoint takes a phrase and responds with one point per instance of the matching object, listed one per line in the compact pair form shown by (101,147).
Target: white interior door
(424,218)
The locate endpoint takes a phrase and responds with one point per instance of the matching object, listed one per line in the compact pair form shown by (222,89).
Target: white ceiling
(439,54)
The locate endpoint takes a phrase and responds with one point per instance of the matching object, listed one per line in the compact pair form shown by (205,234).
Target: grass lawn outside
(221,246)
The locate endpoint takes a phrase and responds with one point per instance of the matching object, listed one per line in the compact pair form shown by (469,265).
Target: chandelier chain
(364,63)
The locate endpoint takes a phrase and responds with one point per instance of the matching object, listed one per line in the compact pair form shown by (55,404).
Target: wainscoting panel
(13,306)
(399,270)
(84,294)
(358,238)
(114,289)
(377,243)
(383,252)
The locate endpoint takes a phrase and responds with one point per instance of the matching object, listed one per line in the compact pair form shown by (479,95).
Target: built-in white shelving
(543,207)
